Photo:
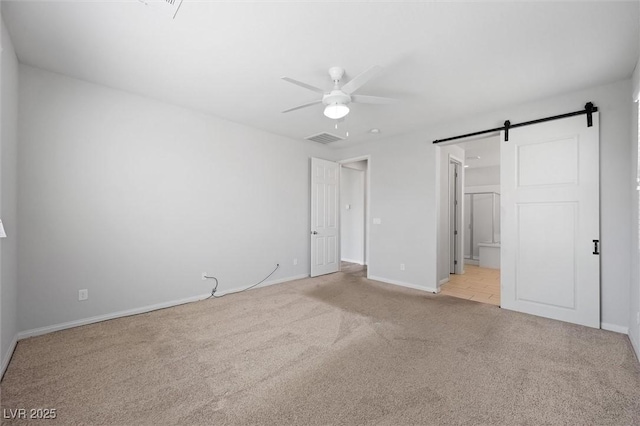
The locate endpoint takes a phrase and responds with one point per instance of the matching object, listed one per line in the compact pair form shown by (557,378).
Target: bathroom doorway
(479,224)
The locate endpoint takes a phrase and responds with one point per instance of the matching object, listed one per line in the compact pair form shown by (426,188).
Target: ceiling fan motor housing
(336,97)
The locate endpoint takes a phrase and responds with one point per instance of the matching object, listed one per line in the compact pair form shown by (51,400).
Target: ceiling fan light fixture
(336,111)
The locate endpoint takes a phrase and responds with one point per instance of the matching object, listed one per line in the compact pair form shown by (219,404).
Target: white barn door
(325,217)
(550,219)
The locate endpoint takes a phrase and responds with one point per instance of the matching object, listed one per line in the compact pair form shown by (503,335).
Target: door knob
(314,232)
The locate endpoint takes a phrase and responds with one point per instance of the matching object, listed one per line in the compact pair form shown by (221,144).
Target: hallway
(353,269)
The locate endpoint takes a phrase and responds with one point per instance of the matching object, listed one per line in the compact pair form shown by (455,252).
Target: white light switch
(348,206)
(377,221)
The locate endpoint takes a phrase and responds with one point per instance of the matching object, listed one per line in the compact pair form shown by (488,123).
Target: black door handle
(595,247)
(315,232)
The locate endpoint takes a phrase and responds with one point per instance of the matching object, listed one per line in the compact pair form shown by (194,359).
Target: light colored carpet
(337,349)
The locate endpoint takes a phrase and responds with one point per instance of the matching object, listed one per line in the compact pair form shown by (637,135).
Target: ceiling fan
(336,101)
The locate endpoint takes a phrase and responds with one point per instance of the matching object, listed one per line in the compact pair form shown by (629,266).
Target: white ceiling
(441,59)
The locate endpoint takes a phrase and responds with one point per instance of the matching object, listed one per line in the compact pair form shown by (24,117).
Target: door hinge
(455,232)
(596,249)
(455,262)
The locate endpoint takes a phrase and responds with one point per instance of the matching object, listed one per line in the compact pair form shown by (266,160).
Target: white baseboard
(99,318)
(359,262)
(8,355)
(614,327)
(444,281)
(91,320)
(403,284)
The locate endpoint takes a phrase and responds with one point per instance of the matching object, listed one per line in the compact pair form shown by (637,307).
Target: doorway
(354,188)
(549,207)
(332,203)
(470,220)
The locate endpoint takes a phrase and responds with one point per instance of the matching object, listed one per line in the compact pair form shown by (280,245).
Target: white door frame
(367,227)
(459,239)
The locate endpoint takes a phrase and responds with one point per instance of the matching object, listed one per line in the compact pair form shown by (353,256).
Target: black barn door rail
(589,109)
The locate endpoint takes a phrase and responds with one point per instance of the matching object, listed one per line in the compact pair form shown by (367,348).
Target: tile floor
(479,284)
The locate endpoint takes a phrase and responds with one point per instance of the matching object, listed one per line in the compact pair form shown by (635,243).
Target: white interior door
(325,225)
(550,217)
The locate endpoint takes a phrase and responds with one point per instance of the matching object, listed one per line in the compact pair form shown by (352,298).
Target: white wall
(133,199)
(482,176)
(634,290)
(352,193)
(404,192)
(401,192)
(8,199)
(444,226)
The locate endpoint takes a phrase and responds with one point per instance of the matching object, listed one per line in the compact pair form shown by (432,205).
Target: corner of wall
(8,197)
(7,355)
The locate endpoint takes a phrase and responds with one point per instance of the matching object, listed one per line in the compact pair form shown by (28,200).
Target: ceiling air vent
(324,138)
(167,7)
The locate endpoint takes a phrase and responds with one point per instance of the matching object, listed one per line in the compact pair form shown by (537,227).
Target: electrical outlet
(204,276)
(402,266)
(295,261)
(83,294)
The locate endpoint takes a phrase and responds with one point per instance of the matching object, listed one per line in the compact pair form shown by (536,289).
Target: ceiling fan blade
(364,99)
(305,85)
(303,106)
(356,82)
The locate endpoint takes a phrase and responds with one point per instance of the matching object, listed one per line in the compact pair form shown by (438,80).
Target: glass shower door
(467,225)
(481,222)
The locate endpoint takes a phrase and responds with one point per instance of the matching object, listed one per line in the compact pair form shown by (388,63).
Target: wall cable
(215,288)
